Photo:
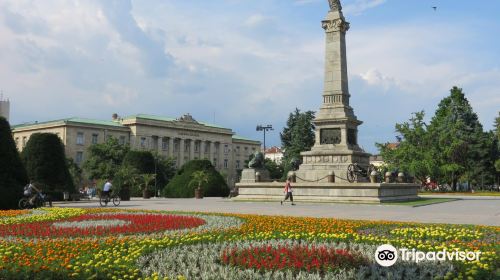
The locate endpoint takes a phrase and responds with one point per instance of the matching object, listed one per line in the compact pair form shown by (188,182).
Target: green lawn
(476,193)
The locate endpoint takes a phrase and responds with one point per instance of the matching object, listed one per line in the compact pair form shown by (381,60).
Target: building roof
(376,158)
(167,119)
(392,145)
(70,120)
(238,137)
(274,150)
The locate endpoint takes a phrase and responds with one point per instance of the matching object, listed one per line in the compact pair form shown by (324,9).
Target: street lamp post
(264,129)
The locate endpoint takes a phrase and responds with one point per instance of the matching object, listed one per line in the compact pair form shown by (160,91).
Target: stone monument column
(336,126)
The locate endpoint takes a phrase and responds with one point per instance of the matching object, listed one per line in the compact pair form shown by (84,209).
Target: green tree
(297,136)
(126,182)
(146,162)
(165,170)
(496,132)
(143,161)
(413,155)
(105,159)
(46,162)
(198,178)
(13,176)
(460,143)
(75,171)
(179,185)
(275,170)
(145,185)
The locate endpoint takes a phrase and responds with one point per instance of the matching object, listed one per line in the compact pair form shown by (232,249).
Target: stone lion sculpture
(257,160)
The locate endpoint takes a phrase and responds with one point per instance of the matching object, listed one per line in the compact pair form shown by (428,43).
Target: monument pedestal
(317,165)
(329,192)
(249,175)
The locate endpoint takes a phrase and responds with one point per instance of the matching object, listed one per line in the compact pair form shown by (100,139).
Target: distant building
(376,160)
(275,154)
(183,139)
(4,108)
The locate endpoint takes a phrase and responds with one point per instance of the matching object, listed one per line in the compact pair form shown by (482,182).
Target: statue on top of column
(335,5)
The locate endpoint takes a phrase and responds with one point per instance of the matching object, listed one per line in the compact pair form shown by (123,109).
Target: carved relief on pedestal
(335,25)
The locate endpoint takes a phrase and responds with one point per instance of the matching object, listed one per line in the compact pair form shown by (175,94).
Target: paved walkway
(467,210)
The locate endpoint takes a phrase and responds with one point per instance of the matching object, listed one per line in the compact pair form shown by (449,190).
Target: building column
(191,149)
(220,160)
(203,147)
(171,146)
(181,152)
(211,153)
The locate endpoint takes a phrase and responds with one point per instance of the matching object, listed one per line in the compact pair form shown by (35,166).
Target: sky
(241,63)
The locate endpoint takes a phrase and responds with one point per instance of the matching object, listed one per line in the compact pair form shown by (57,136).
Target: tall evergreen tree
(496,149)
(13,175)
(46,162)
(297,136)
(460,141)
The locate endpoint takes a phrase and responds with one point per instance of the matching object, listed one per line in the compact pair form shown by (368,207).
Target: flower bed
(99,225)
(62,243)
(296,258)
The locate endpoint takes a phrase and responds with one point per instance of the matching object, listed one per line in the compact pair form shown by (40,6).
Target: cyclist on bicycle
(31,191)
(106,190)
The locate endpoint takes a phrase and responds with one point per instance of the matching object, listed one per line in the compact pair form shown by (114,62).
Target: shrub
(46,162)
(12,172)
(179,186)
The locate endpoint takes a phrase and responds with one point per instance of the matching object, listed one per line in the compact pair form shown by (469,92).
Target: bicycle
(40,200)
(105,199)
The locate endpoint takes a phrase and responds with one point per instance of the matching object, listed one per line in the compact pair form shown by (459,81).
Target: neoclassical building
(183,138)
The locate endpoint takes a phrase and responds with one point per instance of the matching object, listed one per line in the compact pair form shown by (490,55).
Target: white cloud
(118,95)
(359,6)
(172,58)
(305,2)
(255,20)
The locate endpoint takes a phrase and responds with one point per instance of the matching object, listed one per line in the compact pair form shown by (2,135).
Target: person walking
(288,192)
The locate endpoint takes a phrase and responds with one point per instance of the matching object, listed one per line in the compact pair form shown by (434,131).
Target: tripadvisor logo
(387,255)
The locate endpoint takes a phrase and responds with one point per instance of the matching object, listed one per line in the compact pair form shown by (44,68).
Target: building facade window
(79,138)
(225,163)
(176,147)
(95,137)
(196,146)
(226,149)
(164,143)
(25,139)
(79,158)
(143,142)
(237,164)
(186,147)
(121,141)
